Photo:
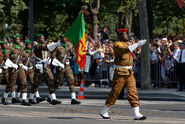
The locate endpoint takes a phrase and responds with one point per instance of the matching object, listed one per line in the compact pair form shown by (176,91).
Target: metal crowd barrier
(161,74)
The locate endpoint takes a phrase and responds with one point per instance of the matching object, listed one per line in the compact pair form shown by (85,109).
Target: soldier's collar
(3,50)
(17,46)
(40,43)
(64,45)
(28,50)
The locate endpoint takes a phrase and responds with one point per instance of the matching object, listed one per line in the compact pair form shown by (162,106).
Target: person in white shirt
(181,66)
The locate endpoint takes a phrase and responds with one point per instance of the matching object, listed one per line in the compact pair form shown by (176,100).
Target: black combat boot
(4,101)
(141,118)
(49,100)
(74,101)
(25,103)
(55,102)
(40,99)
(31,101)
(15,100)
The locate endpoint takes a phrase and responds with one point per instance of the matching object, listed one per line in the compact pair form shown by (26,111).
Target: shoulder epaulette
(118,44)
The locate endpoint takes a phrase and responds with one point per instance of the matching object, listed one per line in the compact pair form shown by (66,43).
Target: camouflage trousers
(47,76)
(4,74)
(30,76)
(22,85)
(119,82)
(68,73)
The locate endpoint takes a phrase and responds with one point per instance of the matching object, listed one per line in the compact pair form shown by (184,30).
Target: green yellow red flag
(76,35)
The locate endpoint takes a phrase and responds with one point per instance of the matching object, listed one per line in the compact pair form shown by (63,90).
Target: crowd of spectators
(162,53)
(100,60)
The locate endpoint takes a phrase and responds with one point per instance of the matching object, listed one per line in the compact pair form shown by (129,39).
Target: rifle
(18,58)
(65,57)
(2,64)
(30,54)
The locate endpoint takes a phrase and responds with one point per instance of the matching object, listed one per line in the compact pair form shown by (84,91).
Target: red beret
(121,30)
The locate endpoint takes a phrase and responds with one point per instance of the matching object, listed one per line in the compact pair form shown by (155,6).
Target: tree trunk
(31,20)
(145,61)
(120,19)
(150,18)
(95,27)
(95,17)
(128,17)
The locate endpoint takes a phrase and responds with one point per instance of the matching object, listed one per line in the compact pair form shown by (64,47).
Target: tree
(163,14)
(9,12)
(128,8)
(145,61)
(94,12)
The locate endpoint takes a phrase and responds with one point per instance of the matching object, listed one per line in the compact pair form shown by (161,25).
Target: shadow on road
(69,118)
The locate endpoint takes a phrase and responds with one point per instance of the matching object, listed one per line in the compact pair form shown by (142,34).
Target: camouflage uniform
(42,52)
(28,73)
(20,72)
(67,71)
(123,77)
(59,53)
(4,70)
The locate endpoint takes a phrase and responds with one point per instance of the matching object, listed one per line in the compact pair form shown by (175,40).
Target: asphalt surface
(157,112)
(101,93)
(161,106)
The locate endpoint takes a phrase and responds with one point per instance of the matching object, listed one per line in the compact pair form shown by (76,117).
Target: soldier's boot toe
(75,102)
(140,118)
(31,101)
(25,103)
(40,99)
(49,100)
(15,100)
(55,102)
(104,117)
(4,101)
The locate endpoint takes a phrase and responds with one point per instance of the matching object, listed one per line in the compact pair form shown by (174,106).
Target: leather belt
(123,67)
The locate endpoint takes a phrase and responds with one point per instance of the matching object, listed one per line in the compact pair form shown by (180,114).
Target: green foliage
(167,14)
(55,16)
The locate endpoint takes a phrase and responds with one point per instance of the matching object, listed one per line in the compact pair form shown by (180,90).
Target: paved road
(158,112)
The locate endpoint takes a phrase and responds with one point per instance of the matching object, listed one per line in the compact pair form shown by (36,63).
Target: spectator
(105,34)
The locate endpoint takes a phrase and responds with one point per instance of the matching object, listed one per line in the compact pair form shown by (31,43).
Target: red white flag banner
(179,3)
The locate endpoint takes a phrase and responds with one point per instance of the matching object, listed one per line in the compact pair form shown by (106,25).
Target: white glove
(1,70)
(134,46)
(52,46)
(23,66)
(58,43)
(15,66)
(61,65)
(67,62)
(57,63)
(10,64)
(5,67)
(141,42)
(47,62)
(39,67)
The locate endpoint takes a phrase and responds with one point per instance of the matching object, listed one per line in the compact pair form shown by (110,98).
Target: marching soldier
(3,69)
(123,75)
(15,55)
(29,70)
(43,71)
(63,68)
